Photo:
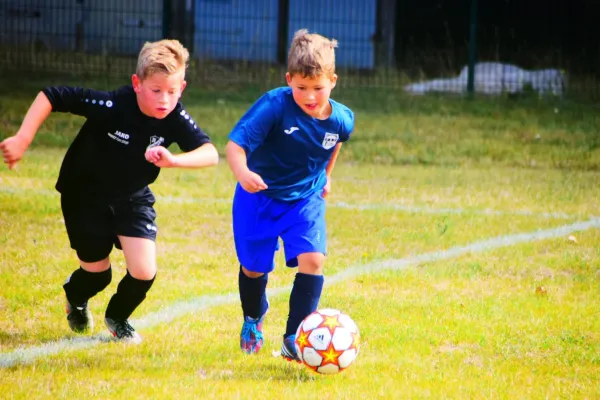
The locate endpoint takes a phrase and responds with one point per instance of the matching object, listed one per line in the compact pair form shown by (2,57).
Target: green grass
(391,128)
(515,322)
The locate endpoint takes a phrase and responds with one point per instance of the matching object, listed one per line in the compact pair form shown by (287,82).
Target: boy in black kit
(106,171)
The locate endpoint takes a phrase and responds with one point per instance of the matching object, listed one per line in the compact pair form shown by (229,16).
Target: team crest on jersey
(330,140)
(155,141)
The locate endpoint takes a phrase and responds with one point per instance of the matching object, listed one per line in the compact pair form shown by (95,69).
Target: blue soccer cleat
(251,337)
(288,349)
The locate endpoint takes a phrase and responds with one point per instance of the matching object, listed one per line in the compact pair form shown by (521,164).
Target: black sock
(83,285)
(304,299)
(253,294)
(130,294)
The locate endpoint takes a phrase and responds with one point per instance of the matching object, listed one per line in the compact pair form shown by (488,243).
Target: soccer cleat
(122,331)
(251,337)
(79,317)
(288,349)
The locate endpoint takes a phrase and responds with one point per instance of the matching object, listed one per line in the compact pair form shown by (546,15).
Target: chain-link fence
(418,46)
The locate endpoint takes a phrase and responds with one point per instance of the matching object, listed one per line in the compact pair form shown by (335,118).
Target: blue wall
(109,26)
(122,26)
(352,26)
(247,29)
(225,29)
(236,30)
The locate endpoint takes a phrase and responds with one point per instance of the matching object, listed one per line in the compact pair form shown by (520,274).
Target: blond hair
(311,55)
(166,56)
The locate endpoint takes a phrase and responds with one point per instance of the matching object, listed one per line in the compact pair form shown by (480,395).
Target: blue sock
(304,299)
(253,294)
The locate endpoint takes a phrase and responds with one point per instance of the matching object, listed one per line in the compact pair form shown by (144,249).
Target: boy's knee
(96,266)
(251,274)
(142,284)
(311,263)
(143,274)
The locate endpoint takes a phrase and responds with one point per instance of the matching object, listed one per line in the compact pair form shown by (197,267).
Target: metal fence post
(166,21)
(472,47)
(283,20)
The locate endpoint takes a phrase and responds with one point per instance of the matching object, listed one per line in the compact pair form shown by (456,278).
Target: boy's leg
(305,246)
(134,221)
(304,298)
(306,291)
(89,234)
(255,245)
(253,293)
(253,297)
(83,284)
(140,257)
(87,281)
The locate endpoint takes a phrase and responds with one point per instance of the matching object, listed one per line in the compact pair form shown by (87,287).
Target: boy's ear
(183,85)
(135,82)
(288,78)
(333,80)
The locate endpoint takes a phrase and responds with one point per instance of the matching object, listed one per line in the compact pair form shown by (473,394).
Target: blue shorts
(259,221)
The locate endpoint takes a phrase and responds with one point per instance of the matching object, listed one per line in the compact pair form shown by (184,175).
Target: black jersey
(107,156)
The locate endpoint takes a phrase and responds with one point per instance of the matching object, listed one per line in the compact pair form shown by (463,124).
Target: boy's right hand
(252,182)
(13,149)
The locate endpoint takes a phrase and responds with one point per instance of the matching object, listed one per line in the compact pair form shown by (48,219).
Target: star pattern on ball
(355,340)
(302,339)
(331,322)
(330,356)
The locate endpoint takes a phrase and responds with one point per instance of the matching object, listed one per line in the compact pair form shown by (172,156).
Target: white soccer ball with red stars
(327,341)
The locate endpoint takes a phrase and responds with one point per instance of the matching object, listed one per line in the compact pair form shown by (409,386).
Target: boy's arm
(346,130)
(329,168)
(81,101)
(332,160)
(204,156)
(14,147)
(195,144)
(236,158)
(249,133)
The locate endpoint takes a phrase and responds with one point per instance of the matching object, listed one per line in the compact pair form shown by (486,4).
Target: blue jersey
(286,147)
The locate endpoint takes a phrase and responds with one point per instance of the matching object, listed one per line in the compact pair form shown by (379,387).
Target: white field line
(343,205)
(27,355)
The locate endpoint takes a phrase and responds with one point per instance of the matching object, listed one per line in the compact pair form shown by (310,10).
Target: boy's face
(312,94)
(158,94)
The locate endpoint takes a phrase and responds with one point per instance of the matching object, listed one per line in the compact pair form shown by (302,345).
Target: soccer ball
(327,341)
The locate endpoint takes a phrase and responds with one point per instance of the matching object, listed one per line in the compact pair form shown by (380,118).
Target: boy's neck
(326,113)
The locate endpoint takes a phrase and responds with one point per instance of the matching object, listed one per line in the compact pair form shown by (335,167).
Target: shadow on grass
(282,370)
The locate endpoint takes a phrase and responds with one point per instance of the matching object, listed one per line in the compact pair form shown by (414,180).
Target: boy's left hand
(160,156)
(12,149)
(327,187)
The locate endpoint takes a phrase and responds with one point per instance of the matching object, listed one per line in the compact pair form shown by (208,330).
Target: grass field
(462,236)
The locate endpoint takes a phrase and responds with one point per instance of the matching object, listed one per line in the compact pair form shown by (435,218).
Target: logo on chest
(155,141)
(330,140)
(119,137)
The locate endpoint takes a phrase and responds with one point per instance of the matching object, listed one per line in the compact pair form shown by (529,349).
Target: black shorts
(93,224)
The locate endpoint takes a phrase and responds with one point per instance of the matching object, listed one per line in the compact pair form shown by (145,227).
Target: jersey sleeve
(347,124)
(254,126)
(189,135)
(80,101)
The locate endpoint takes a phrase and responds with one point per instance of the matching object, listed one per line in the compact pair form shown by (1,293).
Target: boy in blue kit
(282,153)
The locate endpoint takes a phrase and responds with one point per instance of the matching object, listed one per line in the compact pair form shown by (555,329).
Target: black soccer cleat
(122,331)
(80,318)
